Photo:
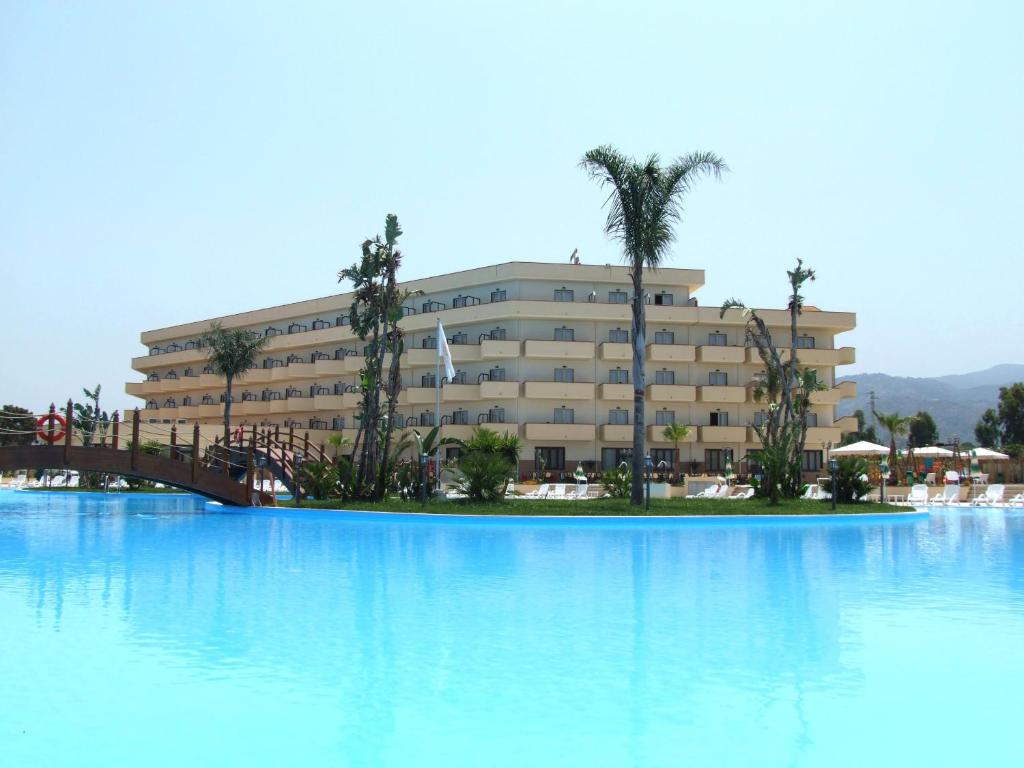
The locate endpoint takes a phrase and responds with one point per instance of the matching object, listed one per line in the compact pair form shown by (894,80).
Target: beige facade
(541,350)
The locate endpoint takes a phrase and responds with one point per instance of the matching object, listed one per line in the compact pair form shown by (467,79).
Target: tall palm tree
(677,433)
(897,426)
(232,352)
(644,204)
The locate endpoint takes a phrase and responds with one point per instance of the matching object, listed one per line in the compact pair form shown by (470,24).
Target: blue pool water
(156,631)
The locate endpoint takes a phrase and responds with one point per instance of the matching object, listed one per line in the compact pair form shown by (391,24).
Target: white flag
(443,352)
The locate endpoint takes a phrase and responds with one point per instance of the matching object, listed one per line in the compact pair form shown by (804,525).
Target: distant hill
(956,402)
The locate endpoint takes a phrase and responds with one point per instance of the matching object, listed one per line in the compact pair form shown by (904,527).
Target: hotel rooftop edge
(540,350)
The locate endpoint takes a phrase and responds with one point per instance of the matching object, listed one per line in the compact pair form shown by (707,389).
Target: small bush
(618,482)
(484,475)
(849,482)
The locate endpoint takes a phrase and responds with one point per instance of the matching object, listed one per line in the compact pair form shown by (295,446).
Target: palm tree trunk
(636,495)
(227,416)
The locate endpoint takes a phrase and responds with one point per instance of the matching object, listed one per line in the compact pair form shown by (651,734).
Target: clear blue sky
(162,163)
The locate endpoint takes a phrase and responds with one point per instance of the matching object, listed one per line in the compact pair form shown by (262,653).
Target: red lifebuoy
(42,428)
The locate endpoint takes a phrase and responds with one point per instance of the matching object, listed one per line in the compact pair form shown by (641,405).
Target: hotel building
(540,350)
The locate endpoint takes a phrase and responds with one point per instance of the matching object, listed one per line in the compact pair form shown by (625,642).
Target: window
(429,342)
(714,460)
(663,299)
(565,415)
(565,334)
(565,375)
(452,453)
(498,295)
(427,419)
(616,297)
(719,419)
(459,377)
(664,418)
(760,418)
(338,423)
(553,459)
(496,374)
(459,338)
(618,416)
(805,342)
(718,379)
(565,294)
(618,376)
(664,377)
(812,419)
(460,417)
(319,324)
(717,340)
(664,337)
(611,458)
(428,380)
(496,416)
(498,334)
(811,461)
(664,459)
(297,328)
(618,336)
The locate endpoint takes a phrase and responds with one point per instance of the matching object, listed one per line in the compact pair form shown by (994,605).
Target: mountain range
(956,402)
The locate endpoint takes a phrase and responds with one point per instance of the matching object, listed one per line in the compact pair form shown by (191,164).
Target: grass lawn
(602,507)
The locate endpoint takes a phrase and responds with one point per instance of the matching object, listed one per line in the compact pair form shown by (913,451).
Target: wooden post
(277,433)
(68,433)
(174,442)
(291,439)
(305,451)
(323,453)
(116,428)
(252,441)
(50,422)
(135,438)
(195,451)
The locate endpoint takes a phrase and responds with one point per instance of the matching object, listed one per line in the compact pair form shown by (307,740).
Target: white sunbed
(993,495)
(918,494)
(708,493)
(724,492)
(950,495)
(558,492)
(540,493)
(580,492)
(811,492)
(1018,499)
(747,494)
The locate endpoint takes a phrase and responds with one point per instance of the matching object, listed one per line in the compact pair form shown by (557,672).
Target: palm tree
(232,352)
(338,442)
(896,425)
(677,433)
(644,204)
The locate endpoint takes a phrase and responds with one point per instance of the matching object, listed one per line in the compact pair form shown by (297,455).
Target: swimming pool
(159,631)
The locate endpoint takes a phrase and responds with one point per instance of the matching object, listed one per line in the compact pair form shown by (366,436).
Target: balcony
(656,434)
(560,350)
(496,349)
(557,390)
(616,351)
(723,434)
(721,394)
(718,355)
(328,402)
(671,353)
(616,391)
(417,396)
(460,392)
(826,357)
(210,411)
(617,433)
(213,381)
(137,388)
(499,390)
(188,411)
(329,367)
(671,393)
(846,424)
(822,435)
(299,404)
(842,391)
(559,433)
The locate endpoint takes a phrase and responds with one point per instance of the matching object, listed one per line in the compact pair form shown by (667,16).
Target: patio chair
(930,478)
(811,492)
(724,492)
(558,492)
(580,492)
(950,495)
(708,493)
(1015,500)
(993,495)
(918,494)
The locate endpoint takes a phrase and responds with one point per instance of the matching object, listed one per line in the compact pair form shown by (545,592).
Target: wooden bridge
(224,473)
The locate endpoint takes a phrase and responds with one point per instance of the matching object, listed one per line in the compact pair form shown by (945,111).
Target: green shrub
(618,482)
(849,482)
(484,475)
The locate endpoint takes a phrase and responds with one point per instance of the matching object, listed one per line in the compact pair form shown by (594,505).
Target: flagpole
(437,405)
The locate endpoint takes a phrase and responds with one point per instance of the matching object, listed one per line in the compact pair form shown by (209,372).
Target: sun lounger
(811,492)
(580,492)
(993,495)
(1018,499)
(747,494)
(950,495)
(708,493)
(540,493)
(558,492)
(918,494)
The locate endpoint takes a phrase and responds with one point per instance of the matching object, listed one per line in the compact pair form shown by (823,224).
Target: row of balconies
(510,390)
(536,432)
(494,349)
